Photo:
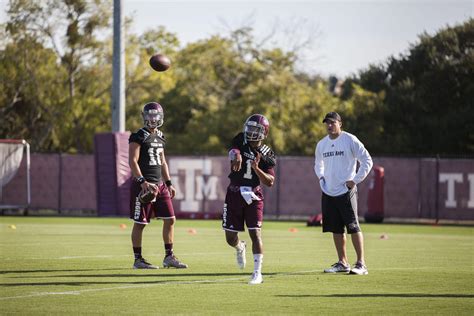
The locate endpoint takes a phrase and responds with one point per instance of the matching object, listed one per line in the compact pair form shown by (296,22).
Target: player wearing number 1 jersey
(150,171)
(252,163)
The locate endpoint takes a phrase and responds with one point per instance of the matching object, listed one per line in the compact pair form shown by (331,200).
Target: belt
(236,188)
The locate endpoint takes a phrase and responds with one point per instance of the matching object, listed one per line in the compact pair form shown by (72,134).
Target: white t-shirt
(336,161)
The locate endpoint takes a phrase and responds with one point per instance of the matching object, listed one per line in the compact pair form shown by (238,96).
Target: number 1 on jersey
(248,172)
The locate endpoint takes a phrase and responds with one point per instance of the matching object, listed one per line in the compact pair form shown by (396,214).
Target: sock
(239,245)
(168,250)
(137,252)
(257,262)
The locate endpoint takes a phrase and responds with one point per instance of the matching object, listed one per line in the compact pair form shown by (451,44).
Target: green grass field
(83,266)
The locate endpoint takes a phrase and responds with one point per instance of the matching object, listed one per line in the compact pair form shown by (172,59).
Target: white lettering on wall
(207,190)
(470,202)
(451,179)
(195,186)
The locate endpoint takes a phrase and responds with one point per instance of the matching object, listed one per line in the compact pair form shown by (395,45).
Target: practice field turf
(83,266)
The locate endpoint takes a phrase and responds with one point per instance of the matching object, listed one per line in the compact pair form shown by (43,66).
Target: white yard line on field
(79,292)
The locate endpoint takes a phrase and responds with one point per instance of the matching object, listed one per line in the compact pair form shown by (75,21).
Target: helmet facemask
(253,131)
(153,118)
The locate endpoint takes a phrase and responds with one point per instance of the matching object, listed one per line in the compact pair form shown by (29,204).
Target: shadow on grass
(135,276)
(109,283)
(61,270)
(151,273)
(400,295)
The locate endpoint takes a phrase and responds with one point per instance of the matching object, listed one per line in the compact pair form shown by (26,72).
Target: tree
(77,65)
(143,83)
(429,94)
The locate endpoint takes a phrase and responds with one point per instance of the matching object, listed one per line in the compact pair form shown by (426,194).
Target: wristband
(233,153)
(168,183)
(140,179)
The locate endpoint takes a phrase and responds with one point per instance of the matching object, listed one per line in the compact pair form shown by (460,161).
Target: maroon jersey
(151,145)
(246,176)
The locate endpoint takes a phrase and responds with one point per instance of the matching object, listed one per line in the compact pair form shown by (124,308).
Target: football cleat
(256,278)
(141,263)
(359,269)
(338,267)
(172,262)
(240,255)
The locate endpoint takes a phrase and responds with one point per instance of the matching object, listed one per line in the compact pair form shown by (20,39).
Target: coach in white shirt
(336,158)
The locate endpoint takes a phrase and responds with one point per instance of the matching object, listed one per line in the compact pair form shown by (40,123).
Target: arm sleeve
(318,162)
(364,158)
(270,171)
(268,155)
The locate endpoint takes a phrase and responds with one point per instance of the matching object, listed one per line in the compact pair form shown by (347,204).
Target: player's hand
(151,186)
(172,191)
(145,185)
(350,184)
(255,162)
(236,164)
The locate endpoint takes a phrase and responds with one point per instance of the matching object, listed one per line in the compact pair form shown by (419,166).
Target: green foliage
(143,83)
(55,85)
(59,80)
(428,108)
(363,115)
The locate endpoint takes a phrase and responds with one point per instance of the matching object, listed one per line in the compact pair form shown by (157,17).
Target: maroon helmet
(256,127)
(152,115)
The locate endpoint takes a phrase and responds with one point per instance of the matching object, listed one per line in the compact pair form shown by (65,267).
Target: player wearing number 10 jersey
(150,171)
(252,163)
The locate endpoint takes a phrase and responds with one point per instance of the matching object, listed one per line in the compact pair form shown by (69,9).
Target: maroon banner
(412,187)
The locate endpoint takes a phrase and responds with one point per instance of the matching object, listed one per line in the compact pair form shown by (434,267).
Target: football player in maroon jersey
(252,163)
(150,171)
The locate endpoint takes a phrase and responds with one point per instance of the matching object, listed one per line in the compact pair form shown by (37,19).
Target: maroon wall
(413,188)
(113,173)
(58,182)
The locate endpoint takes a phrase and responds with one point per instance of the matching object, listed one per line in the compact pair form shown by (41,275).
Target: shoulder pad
(160,134)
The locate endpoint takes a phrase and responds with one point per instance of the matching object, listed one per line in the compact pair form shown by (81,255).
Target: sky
(343,37)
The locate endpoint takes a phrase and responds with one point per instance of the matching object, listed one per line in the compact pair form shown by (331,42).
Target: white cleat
(338,267)
(359,269)
(141,263)
(241,260)
(172,262)
(256,278)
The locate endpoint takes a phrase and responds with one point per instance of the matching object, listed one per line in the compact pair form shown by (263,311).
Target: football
(148,195)
(160,62)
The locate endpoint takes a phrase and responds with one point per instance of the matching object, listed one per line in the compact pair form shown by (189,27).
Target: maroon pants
(237,211)
(160,208)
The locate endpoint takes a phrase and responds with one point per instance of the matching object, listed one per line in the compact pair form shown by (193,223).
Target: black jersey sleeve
(136,138)
(237,141)
(268,155)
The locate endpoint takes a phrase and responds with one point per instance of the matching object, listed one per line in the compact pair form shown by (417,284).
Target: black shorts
(339,212)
